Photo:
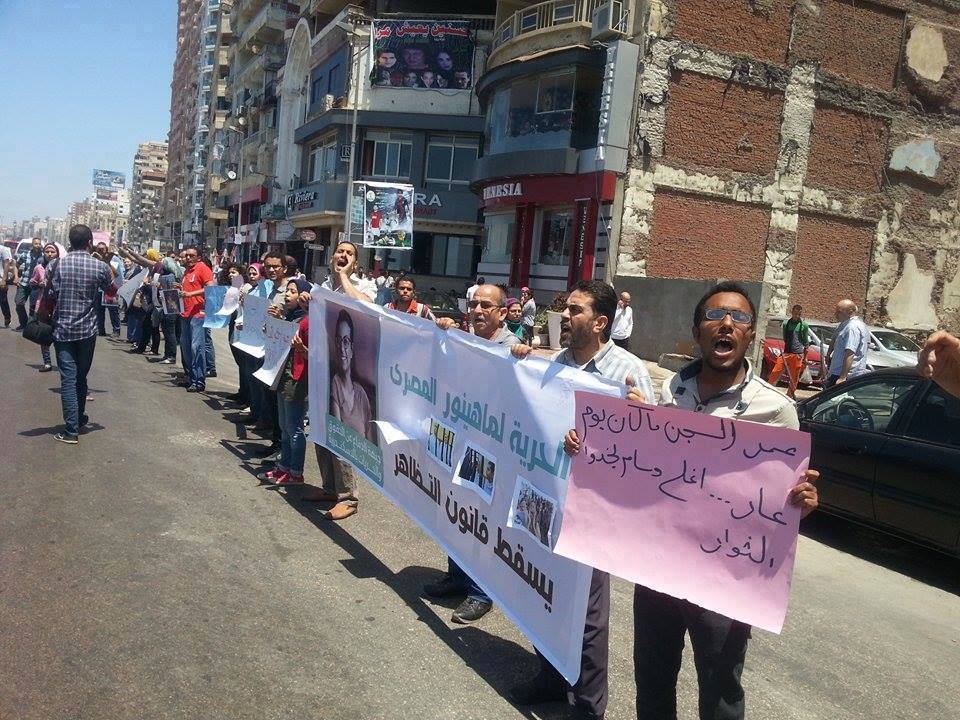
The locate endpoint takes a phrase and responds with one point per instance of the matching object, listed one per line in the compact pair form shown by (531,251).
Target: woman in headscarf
(38,285)
(515,317)
(292,393)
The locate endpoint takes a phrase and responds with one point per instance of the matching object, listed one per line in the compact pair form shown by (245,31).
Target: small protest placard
(686,504)
(172,302)
(213,296)
(278,334)
(249,338)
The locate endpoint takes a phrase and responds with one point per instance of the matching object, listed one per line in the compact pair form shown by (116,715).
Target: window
(335,81)
(895,341)
(450,160)
(316,90)
(452,256)
(546,112)
(556,233)
(323,160)
(498,232)
(937,418)
(388,154)
(869,405)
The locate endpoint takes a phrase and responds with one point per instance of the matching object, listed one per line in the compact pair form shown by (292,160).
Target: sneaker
(195,388)
(444,587)
(471,610)
(212,373)
(270,476)
(541,689)
(288,479)
(168,361)
(65,438)
(275,457)
(46,368)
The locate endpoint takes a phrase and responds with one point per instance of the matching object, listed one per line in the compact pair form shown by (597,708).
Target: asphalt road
(144,574)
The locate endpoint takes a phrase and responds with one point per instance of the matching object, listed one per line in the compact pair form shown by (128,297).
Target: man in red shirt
(405,299)
(192,339)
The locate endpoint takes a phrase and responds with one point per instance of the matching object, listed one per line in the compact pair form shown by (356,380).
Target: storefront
(546,232)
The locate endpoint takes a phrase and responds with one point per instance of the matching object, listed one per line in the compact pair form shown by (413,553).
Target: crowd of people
(68,295)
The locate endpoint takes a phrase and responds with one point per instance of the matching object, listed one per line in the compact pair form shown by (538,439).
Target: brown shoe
(340,511)
(320,496)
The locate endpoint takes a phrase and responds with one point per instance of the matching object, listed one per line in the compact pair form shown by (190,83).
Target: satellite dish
(231,175)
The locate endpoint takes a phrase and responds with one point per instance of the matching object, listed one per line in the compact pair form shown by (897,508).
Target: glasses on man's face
(738,316)
(272,267)
(484,304)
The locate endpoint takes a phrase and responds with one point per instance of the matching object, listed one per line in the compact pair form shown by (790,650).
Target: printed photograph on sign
(477,471)
(388,216)
(440,442)
(354,341)
(172,302)
(533,511)
(422,54)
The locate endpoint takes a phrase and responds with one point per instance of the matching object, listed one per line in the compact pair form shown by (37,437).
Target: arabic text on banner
(249,338)
(468,443)
(693,506)
(277,335)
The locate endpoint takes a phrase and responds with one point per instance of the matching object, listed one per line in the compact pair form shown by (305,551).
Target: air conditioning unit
(609,21)
(327,102)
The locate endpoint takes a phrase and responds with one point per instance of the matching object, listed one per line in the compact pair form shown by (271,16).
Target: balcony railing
(545,15)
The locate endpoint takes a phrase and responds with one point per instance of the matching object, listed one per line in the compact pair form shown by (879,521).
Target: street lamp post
(356,38)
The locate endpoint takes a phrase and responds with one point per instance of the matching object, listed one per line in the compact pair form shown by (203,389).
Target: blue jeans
(209,354)
(134,324)
(293,443)
(474,592)
(193,351)
(74,359)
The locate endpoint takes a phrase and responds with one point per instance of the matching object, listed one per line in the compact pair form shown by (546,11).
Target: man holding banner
(722,384)
(585,328)
(338,482)
(488,310)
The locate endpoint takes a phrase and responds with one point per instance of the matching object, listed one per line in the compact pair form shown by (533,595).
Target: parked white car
(889,348)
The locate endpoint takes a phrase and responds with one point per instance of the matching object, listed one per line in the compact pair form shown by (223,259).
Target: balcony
(540,27)
(267,25)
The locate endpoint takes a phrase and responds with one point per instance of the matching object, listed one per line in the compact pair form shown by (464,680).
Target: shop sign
(301,199)
(308,235)
(491,192)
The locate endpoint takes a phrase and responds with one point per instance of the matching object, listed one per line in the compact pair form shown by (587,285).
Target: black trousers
(5,304)
(590,692)
(719,648)
(148,333)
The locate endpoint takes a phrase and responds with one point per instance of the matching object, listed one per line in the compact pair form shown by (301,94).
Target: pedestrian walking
(7,274)
(38,287)
(27,260)
(585,334)
(75,283)
(847,357)
(796,340)
(622,322)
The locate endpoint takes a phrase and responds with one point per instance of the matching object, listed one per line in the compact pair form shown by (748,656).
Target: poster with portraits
(422,54)
(466,441)
(387,220)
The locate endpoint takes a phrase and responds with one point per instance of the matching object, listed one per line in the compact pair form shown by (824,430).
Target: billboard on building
(422,54)
(382,214)
(104,194)
(109,179)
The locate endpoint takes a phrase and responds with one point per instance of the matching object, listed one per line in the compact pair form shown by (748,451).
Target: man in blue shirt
(848,353)
(76,283)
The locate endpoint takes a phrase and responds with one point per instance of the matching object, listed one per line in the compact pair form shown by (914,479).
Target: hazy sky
(83,83)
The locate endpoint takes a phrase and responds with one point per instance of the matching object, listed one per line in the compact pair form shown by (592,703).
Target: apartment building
(181,140)
(250,129)
(215,212)
(146,194)
(423,126)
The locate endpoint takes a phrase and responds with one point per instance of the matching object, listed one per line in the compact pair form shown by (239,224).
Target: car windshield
(896,341)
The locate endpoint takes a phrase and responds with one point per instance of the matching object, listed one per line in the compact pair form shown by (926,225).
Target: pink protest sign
(687,504)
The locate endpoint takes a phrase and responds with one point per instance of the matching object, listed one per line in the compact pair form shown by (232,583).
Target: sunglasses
(485,304)
(738,316)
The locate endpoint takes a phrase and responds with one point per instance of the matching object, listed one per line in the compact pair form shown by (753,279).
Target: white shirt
(622,323)
(471,290)
(529,315)
(365,285)
(853,335)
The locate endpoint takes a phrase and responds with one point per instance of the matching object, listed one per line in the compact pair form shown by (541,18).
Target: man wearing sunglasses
(721,383)
(488,310)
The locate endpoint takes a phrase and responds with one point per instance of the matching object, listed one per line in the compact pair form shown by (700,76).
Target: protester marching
(484,442)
